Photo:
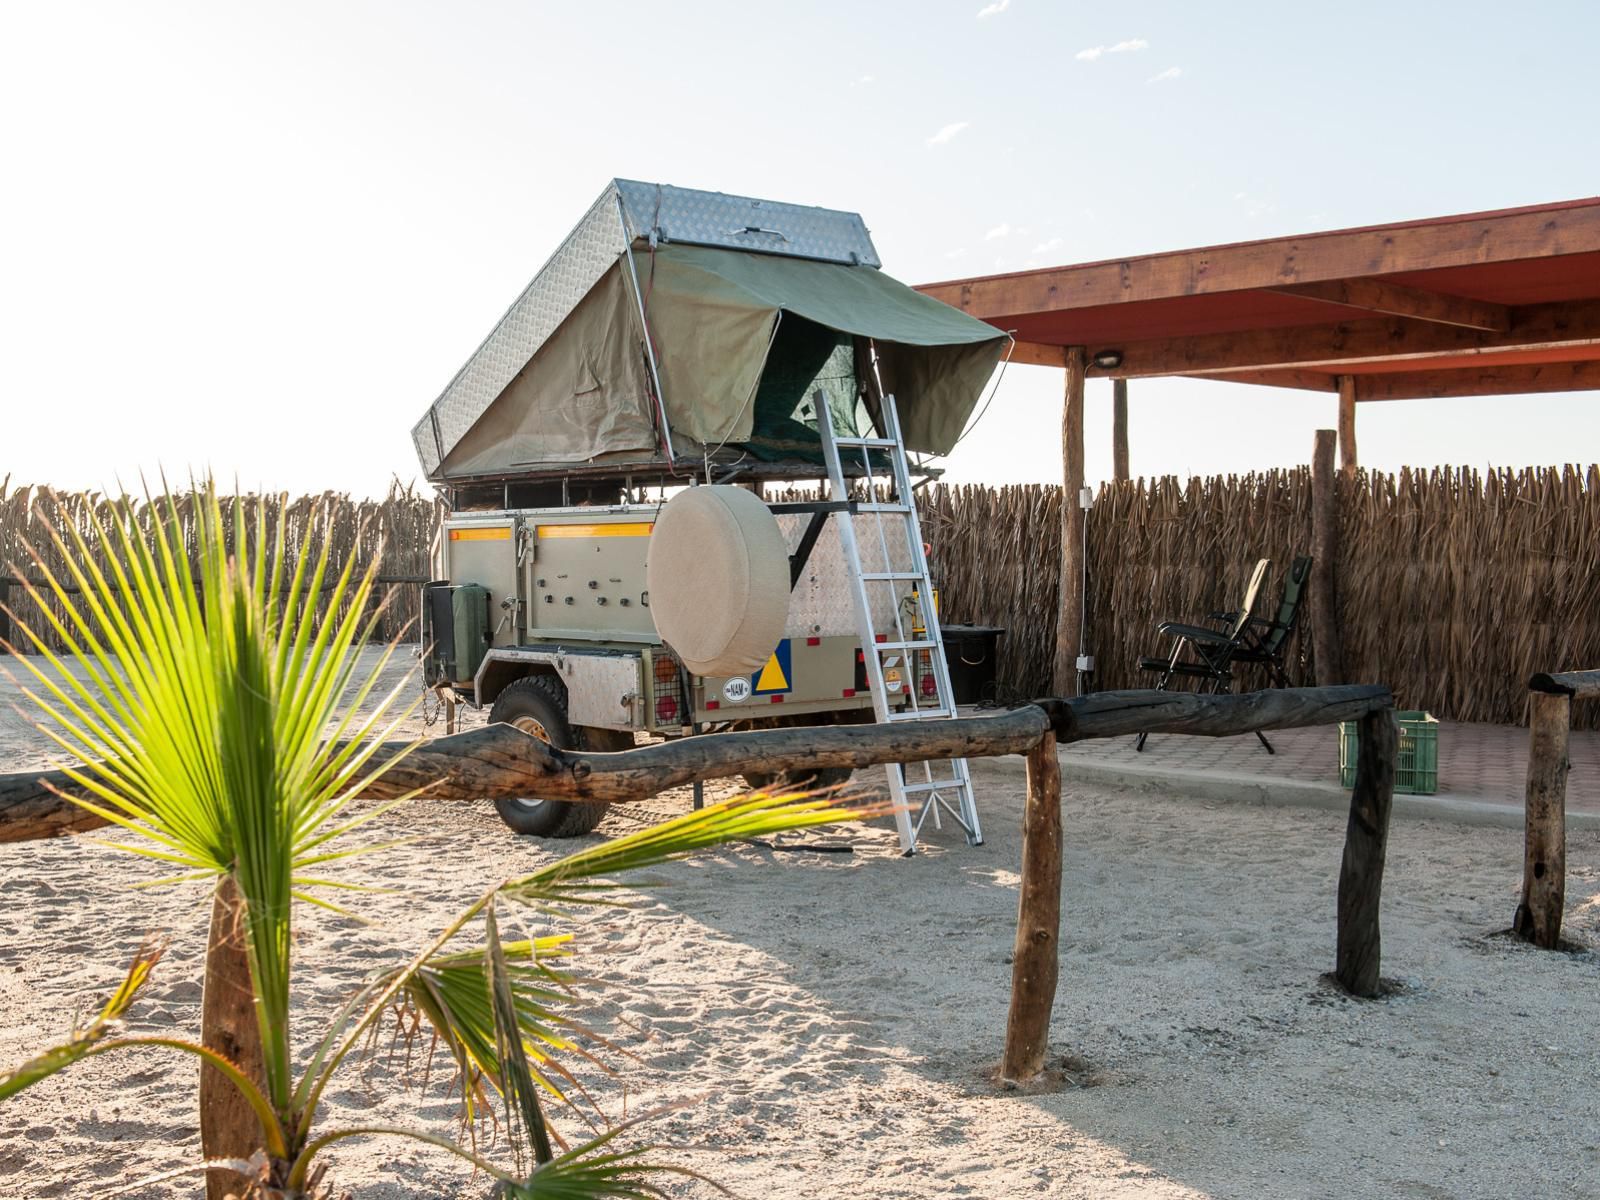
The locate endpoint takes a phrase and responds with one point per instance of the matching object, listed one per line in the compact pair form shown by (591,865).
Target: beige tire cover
(718,572)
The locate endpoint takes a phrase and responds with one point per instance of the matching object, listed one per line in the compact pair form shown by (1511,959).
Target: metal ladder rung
(885,647)
(936,785)
(883,508)
(921,714)
(867,443)
(891,577)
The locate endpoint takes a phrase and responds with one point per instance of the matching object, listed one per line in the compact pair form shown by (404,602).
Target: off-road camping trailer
(684,340)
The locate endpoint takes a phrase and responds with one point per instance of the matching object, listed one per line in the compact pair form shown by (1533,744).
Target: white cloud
(993,10)
(1169,73)
(948,133)
(999,231)
(1094,52)
(865,81)
(1046,246)
(957,253)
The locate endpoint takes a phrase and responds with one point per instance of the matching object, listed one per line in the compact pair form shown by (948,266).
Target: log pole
(1347,426)
(229,1127)
(497,761)
(1326,644)
(1069,614)
(1544,855)
(1359,953)
(1034,960)
(1119,430)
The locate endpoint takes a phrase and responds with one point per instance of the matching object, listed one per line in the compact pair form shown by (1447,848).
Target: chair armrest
(1195,633)
(1227,618)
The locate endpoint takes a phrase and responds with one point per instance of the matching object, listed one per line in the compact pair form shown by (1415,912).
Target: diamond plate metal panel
(745,223)
(820,604)
(575,267)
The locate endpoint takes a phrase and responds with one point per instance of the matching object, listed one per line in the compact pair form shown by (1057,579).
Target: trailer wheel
(538,705)
(814,780)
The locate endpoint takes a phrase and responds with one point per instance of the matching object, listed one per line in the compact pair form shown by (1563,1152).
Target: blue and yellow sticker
(778,675)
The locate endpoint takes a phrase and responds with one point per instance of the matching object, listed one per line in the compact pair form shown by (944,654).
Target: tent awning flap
(713,312)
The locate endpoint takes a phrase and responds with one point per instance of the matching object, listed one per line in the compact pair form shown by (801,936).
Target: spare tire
(718,573)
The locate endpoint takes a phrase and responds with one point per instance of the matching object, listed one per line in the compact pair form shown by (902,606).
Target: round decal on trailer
(736,690)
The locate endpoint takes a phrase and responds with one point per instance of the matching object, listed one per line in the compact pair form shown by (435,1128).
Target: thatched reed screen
(1455,585)
(398,530)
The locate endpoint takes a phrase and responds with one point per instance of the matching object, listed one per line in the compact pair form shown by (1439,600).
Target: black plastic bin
(971,651)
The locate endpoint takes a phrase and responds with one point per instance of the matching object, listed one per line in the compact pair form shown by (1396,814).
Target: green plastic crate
(1417,768)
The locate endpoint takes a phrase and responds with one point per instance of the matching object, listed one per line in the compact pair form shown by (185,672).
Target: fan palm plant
(216,722)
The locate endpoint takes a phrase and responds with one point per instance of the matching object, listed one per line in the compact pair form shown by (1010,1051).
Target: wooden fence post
(1326,645)
(1347,426)
(1544,855)
(1034,959)
(1366,841)
(1069,607)
(1119,430)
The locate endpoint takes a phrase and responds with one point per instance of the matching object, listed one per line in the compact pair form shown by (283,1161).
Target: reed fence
(398,531)
(1455,585)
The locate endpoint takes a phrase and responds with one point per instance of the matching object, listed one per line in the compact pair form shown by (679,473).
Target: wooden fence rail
(501,761)
(1544,831)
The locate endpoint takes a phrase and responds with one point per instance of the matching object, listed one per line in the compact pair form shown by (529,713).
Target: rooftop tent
(752,306)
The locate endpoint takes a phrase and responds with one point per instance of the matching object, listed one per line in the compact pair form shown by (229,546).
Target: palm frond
(200,724)
(83,1039)
(585,877)
(592,1171)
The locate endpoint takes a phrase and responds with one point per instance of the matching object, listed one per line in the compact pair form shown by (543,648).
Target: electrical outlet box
(1085,662)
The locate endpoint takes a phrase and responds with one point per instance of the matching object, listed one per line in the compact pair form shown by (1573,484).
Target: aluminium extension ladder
(901,650)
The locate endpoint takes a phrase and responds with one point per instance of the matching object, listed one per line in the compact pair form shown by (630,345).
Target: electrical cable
(993,391)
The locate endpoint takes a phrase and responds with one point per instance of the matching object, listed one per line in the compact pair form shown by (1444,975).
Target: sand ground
(835,1016)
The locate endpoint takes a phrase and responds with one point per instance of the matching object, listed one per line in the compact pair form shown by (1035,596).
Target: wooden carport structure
(1491,303)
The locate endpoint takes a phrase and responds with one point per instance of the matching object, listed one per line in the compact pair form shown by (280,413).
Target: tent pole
(644,327)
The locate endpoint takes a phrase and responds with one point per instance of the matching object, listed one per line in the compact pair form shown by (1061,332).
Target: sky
(258,240)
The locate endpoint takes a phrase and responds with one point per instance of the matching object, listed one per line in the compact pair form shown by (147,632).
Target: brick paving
(1483,763)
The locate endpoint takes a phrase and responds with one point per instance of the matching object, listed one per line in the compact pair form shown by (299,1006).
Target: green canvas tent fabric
(714,314)
(727,324)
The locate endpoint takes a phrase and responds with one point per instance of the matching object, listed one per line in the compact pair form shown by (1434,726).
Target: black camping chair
(1212,650)
(1267,641)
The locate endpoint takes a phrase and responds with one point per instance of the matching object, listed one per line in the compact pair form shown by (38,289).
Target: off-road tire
(542,700)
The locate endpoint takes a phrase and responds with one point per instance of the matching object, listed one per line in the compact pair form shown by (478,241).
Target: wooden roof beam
(1570,325)
(1280,262)
(1396,300)
(1480,381)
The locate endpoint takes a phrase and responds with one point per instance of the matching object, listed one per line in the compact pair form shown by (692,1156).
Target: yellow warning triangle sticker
(772,678)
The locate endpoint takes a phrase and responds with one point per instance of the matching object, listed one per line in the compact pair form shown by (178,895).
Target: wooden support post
(1347,425)
(1035,957)
(1119,430)
(1544,855)
(1366,840)
(229,1127)
(1326,644)
(1069,616)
